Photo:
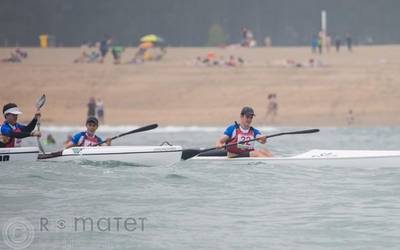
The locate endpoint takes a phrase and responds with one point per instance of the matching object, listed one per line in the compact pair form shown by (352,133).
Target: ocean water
(194,205)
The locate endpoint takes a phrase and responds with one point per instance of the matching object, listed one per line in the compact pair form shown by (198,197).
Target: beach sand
(176,92)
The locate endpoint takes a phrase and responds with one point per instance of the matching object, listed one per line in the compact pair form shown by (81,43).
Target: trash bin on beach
(43,41)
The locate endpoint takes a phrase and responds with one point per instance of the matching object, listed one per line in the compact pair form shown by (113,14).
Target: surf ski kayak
(137,155)
(315,157)
(22,154)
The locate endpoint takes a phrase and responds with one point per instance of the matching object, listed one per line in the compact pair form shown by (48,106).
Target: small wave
(176,177)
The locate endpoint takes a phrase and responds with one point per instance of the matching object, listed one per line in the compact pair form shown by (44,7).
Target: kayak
(136,155)
(22,154)
(315,157)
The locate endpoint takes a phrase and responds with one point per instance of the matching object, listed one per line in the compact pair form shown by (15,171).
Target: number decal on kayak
(324,155)
(4,157)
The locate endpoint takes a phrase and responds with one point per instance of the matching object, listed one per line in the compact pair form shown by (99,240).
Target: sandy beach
(174,91)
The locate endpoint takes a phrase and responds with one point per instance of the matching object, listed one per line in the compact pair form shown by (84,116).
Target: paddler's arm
(19,135)
(69,144)
(261,139)
(221,141)
(107,142)
(74,141)
(2,144)
(31,126)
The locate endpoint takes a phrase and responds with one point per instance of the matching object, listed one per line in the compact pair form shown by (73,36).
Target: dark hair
(92,119)
(9,106)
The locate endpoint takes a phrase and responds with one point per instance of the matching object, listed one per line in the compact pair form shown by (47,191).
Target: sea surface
(195,205)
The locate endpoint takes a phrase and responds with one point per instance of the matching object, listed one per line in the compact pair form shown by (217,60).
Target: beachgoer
(272,108)
(91,107)
(314,44)
(349,42)
(11,131)
(50,140)
(350,117)
(84,53)
(337,43)
(87,138)
(117,53)
(104,47)
(242,132)
(100,110)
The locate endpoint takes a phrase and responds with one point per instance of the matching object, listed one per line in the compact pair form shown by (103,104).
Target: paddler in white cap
(11,131)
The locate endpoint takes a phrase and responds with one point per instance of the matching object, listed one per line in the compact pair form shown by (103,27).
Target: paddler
(11,131)
(87,138)
(240,132)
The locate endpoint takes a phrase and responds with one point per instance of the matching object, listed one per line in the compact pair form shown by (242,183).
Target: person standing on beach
(104,47)
(91,107)
(337,43)
(100,110)
(349,42)
(11,131)
(116,51)
(242,132)
(314,44)
(350,117)
(272,108)
(320,42)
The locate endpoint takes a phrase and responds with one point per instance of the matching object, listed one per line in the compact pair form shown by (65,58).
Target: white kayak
(137,155)
(22,154)
(317,157)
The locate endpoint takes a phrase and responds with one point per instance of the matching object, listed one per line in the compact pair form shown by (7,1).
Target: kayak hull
(318,157)
(136,155)
(22,154)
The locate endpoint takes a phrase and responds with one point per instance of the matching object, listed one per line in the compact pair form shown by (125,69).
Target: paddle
(142,129)
(189,153)
(39,104)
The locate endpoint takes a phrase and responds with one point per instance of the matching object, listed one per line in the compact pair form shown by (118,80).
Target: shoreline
(174,91)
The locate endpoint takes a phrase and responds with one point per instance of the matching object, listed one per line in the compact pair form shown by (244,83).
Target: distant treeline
(191,22)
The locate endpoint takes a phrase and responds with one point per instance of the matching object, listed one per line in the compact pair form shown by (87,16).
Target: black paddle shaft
(142,129)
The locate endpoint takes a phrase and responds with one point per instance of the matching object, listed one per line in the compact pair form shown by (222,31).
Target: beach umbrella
(146,45)
(152,38)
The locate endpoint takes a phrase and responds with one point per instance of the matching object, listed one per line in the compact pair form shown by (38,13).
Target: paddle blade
(190,153)
(50,155)
(40,101)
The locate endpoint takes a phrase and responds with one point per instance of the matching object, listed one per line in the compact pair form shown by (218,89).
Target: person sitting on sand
(84,53)
(50,140)
(12,132)
(116,51)
(87,138)
(93,53)
(241,132)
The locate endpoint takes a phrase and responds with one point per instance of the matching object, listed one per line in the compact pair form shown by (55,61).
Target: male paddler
(240,132)
(11,131)
(87,138)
